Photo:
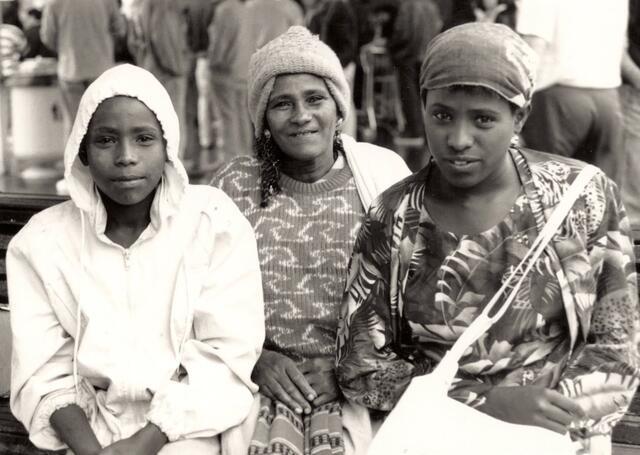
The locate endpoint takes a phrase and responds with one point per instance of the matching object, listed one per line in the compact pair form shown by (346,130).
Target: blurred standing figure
(630,98)
(498,11)
(199,117)
(83,33)
(229,52)
(336,24)
(576,110)
(157,40)
(239,27)
(271,18)
(414,25)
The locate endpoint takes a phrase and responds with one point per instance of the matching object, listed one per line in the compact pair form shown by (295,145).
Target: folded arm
(228,329)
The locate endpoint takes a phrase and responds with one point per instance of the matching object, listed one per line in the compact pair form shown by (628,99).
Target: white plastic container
(37,119)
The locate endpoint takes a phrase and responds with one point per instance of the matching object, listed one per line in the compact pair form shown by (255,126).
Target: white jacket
(374,168)
(166,331)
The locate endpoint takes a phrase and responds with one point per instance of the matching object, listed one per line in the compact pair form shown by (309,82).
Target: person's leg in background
(630,100)
(410,143)
(230,99)
(350,125)
(176,86)
(71,92)
(192,143)
(205,114)
(606,140)
(209,125)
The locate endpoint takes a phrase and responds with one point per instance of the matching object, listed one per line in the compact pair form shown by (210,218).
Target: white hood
(133,81)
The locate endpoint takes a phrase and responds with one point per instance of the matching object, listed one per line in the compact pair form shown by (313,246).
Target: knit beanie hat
(481,54)
(296,51)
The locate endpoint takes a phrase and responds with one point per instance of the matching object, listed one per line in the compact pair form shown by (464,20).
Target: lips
(128,181)
(461,162)
(127,178)
(302,133)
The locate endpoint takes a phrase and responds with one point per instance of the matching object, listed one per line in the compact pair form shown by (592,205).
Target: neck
(505,178)
(307,171)
(125,223)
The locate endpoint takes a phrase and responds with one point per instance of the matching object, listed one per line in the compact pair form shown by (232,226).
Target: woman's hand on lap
(320,373)
(279,378)
(532,405)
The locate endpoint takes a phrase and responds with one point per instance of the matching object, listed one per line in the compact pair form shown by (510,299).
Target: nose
(301,114)
(126,154)
(460,137)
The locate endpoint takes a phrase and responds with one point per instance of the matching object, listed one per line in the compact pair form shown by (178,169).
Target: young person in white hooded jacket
(136,306)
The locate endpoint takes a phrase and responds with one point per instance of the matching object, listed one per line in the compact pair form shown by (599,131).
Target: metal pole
(3,114)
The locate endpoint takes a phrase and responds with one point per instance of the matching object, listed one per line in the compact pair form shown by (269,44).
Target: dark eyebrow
(145,128)
(441,106)
(102,129)
(312,91)
(485,111)
(279,95)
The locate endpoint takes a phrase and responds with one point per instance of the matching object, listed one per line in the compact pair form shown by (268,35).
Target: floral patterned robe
(574,325)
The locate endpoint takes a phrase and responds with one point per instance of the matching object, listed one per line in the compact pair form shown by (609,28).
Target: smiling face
(469,130)
(302,117)
(125,150)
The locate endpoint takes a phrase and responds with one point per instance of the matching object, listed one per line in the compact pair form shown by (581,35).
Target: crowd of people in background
(200,49)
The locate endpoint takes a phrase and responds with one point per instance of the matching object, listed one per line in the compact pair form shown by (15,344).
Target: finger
(267,392)
(306,367)
(314,379)
(567,404)
(323,383)
(324,398)
(557,414)
(282,394)
(303,386)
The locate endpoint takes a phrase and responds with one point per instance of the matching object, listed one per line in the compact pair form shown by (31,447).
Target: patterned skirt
(279,430)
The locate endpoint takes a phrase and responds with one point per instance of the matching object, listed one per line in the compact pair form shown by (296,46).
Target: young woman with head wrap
(435,248)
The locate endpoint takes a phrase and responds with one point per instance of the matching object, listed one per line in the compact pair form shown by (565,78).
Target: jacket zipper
(126,257)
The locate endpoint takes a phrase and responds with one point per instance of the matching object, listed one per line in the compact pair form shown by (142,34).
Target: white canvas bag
(425,421)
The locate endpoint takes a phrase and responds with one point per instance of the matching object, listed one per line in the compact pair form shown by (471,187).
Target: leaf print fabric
(574,326)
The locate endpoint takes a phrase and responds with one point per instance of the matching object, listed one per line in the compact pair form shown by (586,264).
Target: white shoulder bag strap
(449,363)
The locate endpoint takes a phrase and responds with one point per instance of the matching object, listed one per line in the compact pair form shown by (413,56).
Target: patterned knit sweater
(305,238)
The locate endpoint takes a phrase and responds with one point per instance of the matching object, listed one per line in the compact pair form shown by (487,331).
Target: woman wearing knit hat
(305,195)
(436,247)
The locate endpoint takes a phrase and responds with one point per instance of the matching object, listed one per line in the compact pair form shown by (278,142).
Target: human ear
(521,115)
(82,153)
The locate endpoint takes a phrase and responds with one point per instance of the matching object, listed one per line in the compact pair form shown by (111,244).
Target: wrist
(152,438)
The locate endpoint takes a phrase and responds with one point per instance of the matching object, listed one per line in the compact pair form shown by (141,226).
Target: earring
(338,146)
(269,170)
